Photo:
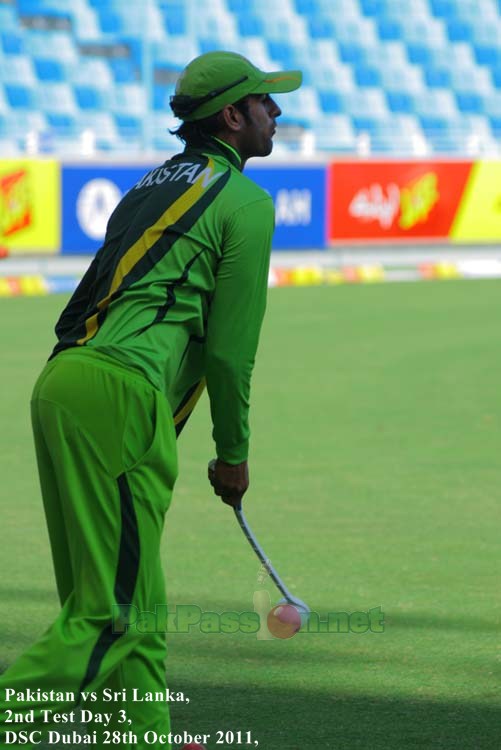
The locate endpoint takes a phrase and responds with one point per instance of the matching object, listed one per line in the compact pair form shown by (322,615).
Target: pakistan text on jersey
(185,170)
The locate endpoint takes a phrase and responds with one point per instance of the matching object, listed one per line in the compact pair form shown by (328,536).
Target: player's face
(256,137)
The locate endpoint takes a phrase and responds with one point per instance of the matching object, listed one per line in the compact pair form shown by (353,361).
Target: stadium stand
(380,75)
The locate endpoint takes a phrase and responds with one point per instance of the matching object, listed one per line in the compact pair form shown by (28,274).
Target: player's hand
(230,481)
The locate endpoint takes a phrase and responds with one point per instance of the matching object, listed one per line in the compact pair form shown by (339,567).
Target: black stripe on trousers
(125,580)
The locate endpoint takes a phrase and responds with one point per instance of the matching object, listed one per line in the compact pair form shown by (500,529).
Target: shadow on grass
(309,720)
(15,595)
(431,621)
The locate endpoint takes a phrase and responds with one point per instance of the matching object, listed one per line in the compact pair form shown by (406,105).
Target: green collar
(214,145)
(233,151)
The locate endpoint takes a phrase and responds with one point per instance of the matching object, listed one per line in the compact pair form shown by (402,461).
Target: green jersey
(178,289)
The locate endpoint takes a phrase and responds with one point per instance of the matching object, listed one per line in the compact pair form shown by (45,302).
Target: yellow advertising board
(478,218)
(30,205)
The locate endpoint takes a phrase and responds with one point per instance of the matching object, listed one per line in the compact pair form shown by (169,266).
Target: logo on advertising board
(95,203)
(90,194)
(29,205)
(376,200)
(293,207)
(299,198)
(406,206)
(15,202)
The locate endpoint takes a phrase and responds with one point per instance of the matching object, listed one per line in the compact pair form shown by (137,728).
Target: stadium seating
(379,75)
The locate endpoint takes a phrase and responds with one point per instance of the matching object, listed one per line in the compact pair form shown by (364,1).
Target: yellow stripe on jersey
(139,249)
(190,404)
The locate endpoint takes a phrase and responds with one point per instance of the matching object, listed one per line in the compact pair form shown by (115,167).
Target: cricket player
(172,302)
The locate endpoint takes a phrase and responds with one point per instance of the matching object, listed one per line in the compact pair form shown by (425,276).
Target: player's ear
(232,118)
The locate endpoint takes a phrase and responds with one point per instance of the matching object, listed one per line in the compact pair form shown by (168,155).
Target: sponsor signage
(29,206)
(90,193)
(398,200)
(299,197)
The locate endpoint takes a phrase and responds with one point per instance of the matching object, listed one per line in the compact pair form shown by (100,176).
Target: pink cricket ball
(284,621)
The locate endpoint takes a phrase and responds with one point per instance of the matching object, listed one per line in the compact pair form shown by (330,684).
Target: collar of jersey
(220,148)
(237,159)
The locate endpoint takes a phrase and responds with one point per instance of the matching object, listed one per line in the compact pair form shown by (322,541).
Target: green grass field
(375,481)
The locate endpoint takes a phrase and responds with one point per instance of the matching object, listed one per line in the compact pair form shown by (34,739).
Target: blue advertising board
(90,193)
(299,197)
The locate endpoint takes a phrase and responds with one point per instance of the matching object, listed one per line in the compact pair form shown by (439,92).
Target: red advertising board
(398,200)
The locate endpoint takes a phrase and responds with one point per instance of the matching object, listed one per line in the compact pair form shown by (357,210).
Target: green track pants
(106,453)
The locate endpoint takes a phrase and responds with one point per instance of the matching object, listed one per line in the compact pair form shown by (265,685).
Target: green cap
(211,81)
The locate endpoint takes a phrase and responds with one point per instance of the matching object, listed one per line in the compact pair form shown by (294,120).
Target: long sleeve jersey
(178,289)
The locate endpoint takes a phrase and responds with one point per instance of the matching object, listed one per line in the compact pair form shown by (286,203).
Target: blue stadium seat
(250,26)
(49,9)
(389,29)
(374,8)
(400,102)
(89,97)
(63,125)
(331,102)
(471,103)
(419,53)
(129,127)
(110,22)
(370,125)
(351,53)
(487,54)
(496,76)
(12,43)
(306,7)
(28,7)
(433,124)
(367,76)
(175,19)
(495,123)
(49,70)
(443,9)
(208,45)
(20,97)
(123,70)
(238,6)
(283,52)
(437,77)
(459,31)
(161,97)
(321,28)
